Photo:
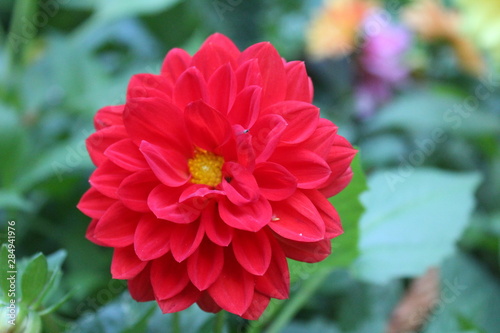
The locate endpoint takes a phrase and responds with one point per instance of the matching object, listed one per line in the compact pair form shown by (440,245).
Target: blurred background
(413,84)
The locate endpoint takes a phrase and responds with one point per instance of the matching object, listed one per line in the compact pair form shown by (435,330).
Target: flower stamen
(205,168)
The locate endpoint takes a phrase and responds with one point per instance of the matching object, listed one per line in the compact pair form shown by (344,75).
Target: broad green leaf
(34,278)
(424,111)
(412,221)
(470,298)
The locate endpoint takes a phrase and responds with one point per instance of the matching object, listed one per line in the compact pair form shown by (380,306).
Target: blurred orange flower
(334,29)
(434,22)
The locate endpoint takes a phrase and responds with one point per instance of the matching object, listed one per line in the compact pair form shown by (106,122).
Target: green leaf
(470,298)
(345,247)
(412,222)
(422,111)
(34,278)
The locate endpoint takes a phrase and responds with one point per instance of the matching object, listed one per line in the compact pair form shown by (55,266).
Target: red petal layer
(190,87)
(205,264)
(275,182)
(164,203)
(125,264)
(135,189)
(168,277)
(117,226)
(298,219)
(233,290)
(222,89)
(126,155)
(276,282)
(168,165)
(94,204)
(251,217)
(242,187)
(252,250)
(140,286)
(207,127)
(297,87)
(217,231)
(181,301)
(187,239)
(99,141)
(152,237)
(109,116)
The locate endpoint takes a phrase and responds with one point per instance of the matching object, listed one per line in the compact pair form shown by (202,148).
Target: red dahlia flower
(211,175)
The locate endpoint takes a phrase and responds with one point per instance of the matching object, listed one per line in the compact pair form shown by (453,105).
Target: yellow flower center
(205,168)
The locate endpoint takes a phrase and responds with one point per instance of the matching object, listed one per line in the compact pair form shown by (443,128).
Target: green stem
(220,319)
(176,322)
(297,301)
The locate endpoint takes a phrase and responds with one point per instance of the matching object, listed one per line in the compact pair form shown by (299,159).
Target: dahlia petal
(310,252)
(205,264)
(117,226)
(135,189)
(298,219)
(275,182)
(257,306)
(223,42)
(217,231)
(164,203)
(321,141)
(266,134)
(168,165)
(175,63)
(248,74)
(276,281)
(302,119)
(190,87)
(233,290)
(156,121)
(198,194)
(140,287)
(297,87)
(207,304)
(109,116)
(309,168)
(168,277)
(186,240)
(107,178)
(181,301)
(251,217)
(239,184)
(152,237)
(125,264)
(207,127)
(272,71)
(99,141)
(245,151)
(149,85)
(94,204)
(246,107)
(340,156)
(333,228)
(126,155)
(252,250)
(222,89)
(89,234)
(338,184)
(210,58)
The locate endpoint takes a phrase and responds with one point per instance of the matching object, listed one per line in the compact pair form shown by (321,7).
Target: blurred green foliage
(439,137)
